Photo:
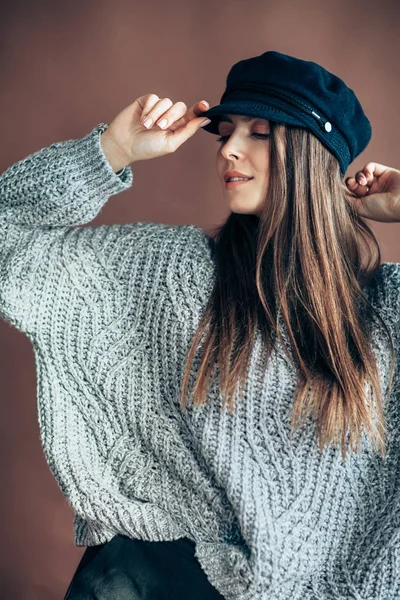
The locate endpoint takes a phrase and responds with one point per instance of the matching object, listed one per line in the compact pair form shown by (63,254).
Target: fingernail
(162,123)
(206,122)
(148,122)
(204,103)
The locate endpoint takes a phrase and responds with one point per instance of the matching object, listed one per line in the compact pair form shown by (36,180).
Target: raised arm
(48,195)
(43,198)
(64,184)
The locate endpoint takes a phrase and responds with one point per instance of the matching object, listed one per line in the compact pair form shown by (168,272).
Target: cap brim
(250,109)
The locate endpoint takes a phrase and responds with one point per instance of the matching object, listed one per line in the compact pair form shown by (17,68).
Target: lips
(229,174)
(231,185)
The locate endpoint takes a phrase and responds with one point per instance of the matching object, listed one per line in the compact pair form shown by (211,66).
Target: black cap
(286,89)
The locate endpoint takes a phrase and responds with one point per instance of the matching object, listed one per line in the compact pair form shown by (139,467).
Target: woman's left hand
(375,192)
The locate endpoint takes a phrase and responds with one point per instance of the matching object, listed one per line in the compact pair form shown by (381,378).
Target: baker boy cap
(286,89)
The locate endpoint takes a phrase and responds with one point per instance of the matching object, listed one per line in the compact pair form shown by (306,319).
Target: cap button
(328,126)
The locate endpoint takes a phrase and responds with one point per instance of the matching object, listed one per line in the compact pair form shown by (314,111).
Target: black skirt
(128,569)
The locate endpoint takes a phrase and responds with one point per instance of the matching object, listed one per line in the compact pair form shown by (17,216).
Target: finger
(360,180)
(355,187)
(194,111)
(370,173)
(352,184)
(373,169)
(363,191)
(149,101)
(361,177)
(181,135)
(156,111)
(169,117)
(200,107)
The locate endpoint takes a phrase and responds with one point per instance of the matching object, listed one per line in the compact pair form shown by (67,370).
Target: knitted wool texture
(111,311)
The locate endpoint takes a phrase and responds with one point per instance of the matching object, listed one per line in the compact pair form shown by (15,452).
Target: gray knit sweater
(111,311)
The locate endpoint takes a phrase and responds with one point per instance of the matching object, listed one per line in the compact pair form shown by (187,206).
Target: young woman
(220,411)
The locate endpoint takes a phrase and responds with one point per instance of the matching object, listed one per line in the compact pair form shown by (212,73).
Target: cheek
(262,164)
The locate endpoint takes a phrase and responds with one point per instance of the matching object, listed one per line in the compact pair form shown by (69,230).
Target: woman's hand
(375,192)
(127,140)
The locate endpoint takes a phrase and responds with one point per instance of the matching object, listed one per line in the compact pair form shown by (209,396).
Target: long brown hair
(301,258)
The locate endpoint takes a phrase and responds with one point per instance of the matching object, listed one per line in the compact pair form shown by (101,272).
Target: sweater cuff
(94,167)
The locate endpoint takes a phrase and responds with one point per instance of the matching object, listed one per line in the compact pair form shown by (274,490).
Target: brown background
(66,66)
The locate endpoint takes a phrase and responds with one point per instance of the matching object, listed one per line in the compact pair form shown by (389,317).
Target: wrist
(117,159)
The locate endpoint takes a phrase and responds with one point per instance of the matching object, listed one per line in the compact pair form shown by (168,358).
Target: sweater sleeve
(391,292)
(43,198)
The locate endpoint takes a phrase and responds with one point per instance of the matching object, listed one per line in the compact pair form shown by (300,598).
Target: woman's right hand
(127,140)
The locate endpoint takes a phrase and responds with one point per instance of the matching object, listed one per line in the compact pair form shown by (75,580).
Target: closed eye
(222,138)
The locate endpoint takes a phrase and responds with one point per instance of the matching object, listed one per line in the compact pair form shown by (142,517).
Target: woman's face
(244,149)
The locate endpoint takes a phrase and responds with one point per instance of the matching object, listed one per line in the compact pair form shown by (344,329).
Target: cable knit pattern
(111,311)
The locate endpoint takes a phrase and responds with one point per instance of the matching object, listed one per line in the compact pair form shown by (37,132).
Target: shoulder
(141,236)
(189,241)
(201,243)
(163,231)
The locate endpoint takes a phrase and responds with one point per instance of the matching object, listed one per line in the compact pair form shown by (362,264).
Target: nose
(232,146)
